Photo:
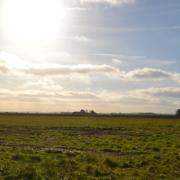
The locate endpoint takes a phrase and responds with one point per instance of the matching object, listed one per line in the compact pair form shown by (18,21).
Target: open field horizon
(89,89)
(57,147)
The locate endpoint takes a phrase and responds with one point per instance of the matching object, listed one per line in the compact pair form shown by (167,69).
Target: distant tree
(178,113)
(92,112)
(82,111)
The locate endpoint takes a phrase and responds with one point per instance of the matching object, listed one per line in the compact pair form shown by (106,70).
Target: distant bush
(89,170)
(126,165)
(110,163)
(156,149)
(178,113)
(35,158)
(18,157)
(29,173)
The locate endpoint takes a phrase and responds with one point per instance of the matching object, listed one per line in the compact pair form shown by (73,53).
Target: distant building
(81,112)
(84,112)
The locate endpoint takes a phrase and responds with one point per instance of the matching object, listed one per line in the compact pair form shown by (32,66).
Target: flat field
(70,148)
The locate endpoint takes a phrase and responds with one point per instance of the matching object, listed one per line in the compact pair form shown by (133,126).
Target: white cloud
(14,65)
(3,69)
(167,92)
(82,38)
(46,93)
(11,60)
(107,70)
(73,69)
(149,73)
(56,57)
(139,60)
(110,2)
(46,85)
(75,9)
(116,61)
(121,56)
(143,100)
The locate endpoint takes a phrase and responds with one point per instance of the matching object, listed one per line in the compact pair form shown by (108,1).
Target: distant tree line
(83,112)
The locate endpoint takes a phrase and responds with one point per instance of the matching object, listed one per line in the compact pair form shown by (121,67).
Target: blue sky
(106,55)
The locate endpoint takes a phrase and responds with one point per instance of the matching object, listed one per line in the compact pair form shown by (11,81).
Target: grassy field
(57,147)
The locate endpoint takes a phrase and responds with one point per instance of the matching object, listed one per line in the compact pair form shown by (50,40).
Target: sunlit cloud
(54,67)
(82,38)
(3,69)
(138,60)
(116,61)
(72,69)
(75,9)
(110,2)
(166,92)
(12,60)
(107,70)
(100,100)
(149,73)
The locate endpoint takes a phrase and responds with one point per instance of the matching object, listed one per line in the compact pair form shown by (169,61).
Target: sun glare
(33,21)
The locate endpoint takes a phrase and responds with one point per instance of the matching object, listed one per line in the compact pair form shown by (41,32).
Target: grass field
(57,147)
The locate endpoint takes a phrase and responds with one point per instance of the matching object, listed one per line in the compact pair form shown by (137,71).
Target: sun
(33,21)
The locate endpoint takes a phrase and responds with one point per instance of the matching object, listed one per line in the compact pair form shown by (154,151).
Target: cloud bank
(149,73)
(167,92)
(72,69)
(107,70)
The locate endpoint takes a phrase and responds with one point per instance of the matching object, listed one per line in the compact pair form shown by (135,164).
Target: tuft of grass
(18,157)
(110,163)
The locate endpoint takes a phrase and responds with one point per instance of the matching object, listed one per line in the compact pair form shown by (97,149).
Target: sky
(105,55)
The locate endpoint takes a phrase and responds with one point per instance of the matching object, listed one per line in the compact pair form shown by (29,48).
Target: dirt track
(68,151)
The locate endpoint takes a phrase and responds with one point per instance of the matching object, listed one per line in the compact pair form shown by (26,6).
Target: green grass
(94,148)
(101,122)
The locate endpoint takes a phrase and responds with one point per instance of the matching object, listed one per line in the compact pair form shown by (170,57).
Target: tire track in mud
(69,151)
